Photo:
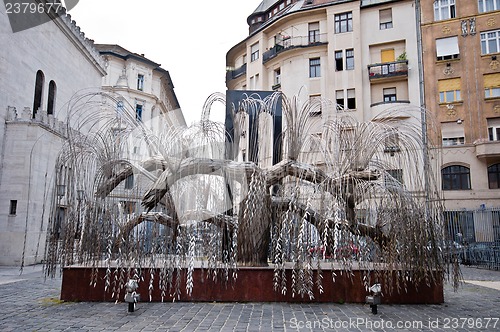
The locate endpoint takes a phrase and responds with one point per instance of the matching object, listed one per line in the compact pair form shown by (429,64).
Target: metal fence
(477,234)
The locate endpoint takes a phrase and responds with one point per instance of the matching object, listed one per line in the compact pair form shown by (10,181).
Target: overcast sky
(190,39)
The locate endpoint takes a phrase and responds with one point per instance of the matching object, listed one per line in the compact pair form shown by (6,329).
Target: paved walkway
(30,303)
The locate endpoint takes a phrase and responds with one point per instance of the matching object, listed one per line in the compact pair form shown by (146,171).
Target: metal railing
(232,74)
(477,233)
(294,42)
(388,69)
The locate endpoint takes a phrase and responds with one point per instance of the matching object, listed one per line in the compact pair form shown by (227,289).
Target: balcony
(388,70)
(232,74)
(289,43)
(486,149)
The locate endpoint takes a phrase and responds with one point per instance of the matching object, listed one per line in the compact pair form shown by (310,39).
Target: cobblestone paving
(30,303)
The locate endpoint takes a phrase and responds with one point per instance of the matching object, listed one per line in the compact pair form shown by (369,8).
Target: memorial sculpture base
(253,284)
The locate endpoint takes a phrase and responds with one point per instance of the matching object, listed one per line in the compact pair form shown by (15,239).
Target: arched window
(52,97)
(494,176)
(455,177)
(37,102)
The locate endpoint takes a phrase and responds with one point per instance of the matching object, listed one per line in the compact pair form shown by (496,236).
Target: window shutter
(449,85)
(447,46)
(492,80)
(387,55)
(314,26)
(452,129)
(385,15)
(389,91)
(494,122)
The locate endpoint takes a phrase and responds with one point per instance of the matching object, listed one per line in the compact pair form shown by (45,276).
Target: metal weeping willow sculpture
(345,195)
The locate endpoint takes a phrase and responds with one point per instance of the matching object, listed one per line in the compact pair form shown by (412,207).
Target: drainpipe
(423,115)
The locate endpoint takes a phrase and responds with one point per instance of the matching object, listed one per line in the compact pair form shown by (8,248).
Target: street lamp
(61,190)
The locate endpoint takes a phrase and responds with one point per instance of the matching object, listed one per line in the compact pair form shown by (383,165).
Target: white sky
(190,39)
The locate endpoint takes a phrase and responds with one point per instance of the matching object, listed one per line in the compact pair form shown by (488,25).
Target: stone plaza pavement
(30,303)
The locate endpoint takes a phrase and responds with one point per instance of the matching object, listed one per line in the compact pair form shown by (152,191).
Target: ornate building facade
(47,71)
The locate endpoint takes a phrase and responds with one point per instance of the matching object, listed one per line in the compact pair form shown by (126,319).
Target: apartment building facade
(360,55)
(461,42)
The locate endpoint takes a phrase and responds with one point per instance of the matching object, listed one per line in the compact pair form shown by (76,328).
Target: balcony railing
(388,69)
(294,42)
(232,74)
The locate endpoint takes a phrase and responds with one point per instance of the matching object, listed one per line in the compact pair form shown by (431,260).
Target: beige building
(144,91)
(461,42)
(361,55)
(42,69)
(142,85)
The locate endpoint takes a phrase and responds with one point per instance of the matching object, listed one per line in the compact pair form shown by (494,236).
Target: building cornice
(86,46)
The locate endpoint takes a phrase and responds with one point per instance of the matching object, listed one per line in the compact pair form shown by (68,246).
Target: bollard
(131,297)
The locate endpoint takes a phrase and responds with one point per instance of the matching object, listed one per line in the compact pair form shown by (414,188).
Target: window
(349,59)
(493,176)
(339,60)
(52,97)
(450,141)
(491,85)
(452,133)
(342,102)
(444,9)
(387,56)
(490,42)
(393,177)
(447,48)
(351,99)
(313,32)
(254,52)
(277,78)
(339,95)
(449,90)
(138,112)
(391,142)
(120,106)
(140,82)
(13,207)
(389,95)
(488,5)
(455,177)
(129,182)
(494,129)
(37,100)
(385,18)
(343,22)
(314,67)
(315,105)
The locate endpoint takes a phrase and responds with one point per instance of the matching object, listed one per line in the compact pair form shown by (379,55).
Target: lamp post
(61,191)
(80,195)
